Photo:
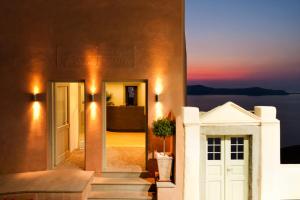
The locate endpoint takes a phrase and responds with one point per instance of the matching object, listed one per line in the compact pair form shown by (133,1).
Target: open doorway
(125,126)
(68,125)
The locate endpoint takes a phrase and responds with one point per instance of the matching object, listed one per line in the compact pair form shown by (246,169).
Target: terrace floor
(51,184)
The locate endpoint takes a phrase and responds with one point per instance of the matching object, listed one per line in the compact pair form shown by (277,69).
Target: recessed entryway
(125,126)
(67,125)
(227,167)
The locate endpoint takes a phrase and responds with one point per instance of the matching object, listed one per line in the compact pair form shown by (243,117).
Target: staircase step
(142,174)
(121,184)
(120,195)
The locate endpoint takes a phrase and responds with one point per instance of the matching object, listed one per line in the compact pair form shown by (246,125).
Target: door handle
(229,169)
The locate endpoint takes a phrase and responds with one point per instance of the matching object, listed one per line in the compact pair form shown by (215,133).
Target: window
(214,148)
(237,148)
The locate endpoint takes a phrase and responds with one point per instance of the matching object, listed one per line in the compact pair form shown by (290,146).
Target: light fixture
(156,98)
(91,97)
(36,97)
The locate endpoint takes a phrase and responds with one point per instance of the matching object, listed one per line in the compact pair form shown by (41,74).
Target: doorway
(68,124)
(227,167)
(125,126)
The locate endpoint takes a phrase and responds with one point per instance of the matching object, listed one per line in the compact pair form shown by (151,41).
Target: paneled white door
(62,124)
(227,168)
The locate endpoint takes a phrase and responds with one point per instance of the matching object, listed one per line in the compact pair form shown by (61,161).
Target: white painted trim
(231,124)
(191,153)
(251,117)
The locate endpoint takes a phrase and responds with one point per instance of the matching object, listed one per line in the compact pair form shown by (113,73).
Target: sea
(288,110)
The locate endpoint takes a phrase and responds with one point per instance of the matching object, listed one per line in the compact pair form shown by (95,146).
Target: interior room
(69,122)
(125,136)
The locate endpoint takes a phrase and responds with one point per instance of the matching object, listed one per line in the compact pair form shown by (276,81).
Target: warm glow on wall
(36,110)
(92,62)
(93,89)
(93,110)
(35,90)
(36,107)
(158,104)
(158,110)
(158,86)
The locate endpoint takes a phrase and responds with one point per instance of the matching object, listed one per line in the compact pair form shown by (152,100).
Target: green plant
(163,127)
(108,99)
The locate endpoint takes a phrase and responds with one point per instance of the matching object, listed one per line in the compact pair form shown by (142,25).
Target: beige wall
(141,94)
(93,41)
(117,90)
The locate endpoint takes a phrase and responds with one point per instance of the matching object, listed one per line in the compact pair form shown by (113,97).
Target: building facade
(87,42)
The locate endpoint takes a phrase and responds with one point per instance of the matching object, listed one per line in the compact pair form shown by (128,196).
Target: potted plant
(163,128)
(109,99)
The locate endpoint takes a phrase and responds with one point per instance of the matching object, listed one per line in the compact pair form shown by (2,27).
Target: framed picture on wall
(131,95)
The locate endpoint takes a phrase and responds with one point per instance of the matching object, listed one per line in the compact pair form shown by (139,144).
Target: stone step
(142,174)
(120,195)
(121,184)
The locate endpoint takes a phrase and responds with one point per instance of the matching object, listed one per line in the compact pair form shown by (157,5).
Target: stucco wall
(82,40)
(289,182)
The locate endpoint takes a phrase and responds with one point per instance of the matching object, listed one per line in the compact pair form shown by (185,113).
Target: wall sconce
(91,97)
(156,98)
(36,97)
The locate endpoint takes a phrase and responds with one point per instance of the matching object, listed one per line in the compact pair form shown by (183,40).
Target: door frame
(104,118)
(253,133)
(225,156)
(51,120)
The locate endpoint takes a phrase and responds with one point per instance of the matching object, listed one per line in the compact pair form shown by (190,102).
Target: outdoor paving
(54,181)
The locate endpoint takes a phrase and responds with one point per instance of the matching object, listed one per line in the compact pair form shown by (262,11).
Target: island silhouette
(250,91)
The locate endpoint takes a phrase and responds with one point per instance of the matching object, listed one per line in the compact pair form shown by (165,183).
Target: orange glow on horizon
(202,73)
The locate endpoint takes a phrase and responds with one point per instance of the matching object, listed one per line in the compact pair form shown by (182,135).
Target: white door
(215,169)
(227,168)
(61,122)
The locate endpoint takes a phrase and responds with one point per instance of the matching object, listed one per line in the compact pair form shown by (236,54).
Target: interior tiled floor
(125,151)
(74,161)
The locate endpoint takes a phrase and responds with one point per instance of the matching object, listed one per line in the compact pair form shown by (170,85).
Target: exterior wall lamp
(157,98)
(36,97)
(91,97)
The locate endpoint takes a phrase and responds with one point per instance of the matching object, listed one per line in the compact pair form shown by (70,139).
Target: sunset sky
(241,43)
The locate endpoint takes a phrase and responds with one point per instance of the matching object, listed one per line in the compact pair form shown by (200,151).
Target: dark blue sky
(238,43)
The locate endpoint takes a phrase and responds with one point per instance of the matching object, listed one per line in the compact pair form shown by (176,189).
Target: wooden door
(227,168)
(61,122)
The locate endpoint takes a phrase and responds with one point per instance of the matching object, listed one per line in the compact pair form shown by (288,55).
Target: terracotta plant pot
(164,167)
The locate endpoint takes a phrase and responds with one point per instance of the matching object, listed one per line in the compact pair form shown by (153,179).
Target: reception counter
(125,118)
